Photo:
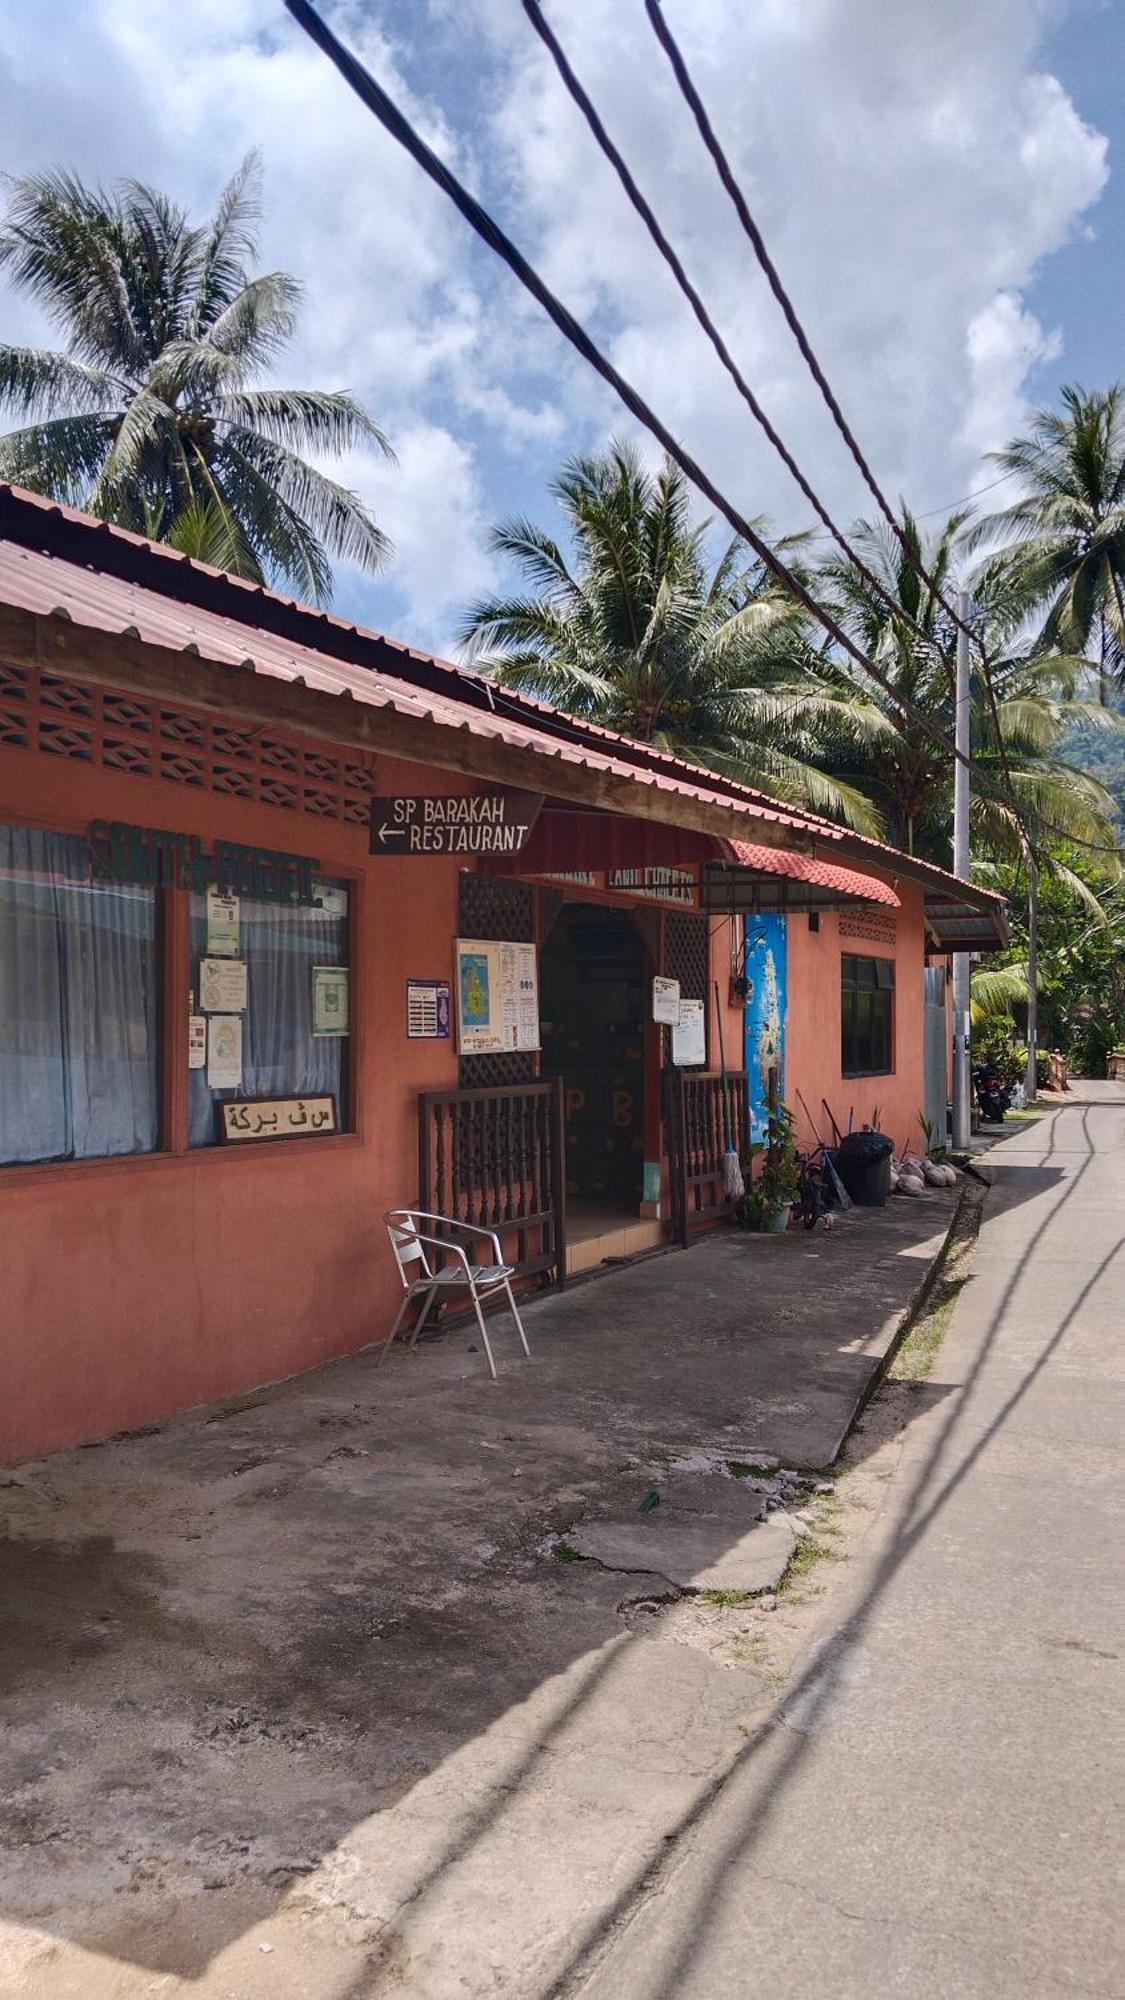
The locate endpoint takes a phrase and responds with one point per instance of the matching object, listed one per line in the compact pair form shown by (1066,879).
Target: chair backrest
(402,1230)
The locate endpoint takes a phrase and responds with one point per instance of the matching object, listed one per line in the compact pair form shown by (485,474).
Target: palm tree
(905,630)
(149,415)
(1062,557)
(633,628)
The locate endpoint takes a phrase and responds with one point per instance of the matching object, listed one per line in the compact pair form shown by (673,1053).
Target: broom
(733,1183)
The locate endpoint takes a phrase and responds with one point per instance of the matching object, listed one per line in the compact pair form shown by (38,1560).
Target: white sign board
(497,997)
(222,985)
(224,1051)
(666,1001)
(689,1036)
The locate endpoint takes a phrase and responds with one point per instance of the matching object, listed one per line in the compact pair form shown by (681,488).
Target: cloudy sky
(938,181)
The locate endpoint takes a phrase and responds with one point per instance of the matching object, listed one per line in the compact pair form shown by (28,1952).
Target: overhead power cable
(394,121)
(689,92)
(726,175)
(643,208)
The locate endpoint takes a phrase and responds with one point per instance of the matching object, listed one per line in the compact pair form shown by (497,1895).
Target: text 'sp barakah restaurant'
(298,925)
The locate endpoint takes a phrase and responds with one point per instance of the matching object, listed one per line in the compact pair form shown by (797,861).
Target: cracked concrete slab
(694,1551)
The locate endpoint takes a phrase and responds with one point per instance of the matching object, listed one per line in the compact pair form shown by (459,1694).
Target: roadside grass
(918,1350)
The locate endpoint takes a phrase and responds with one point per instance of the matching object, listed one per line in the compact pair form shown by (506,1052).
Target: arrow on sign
(495,822)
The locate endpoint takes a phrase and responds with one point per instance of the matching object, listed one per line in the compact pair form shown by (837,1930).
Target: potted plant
(771,1192)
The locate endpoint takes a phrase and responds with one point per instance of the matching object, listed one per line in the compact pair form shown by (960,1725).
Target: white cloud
(432,506)
(1004,342)
(912,166)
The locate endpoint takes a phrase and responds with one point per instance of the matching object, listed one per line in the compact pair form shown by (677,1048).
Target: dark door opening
(593,979)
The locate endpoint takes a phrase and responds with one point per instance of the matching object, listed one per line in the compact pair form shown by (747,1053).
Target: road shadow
(231,1643)
(942,1470)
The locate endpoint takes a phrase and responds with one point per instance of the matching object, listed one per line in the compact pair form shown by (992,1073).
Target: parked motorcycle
(993,1098)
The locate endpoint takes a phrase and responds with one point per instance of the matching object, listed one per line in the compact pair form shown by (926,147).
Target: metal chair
(412,1245)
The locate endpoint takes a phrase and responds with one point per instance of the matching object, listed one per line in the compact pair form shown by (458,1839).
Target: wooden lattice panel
(489,906)
(119,732)
(875,926)
(686,954)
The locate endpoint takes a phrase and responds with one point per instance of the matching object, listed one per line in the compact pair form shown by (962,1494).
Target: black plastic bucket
(863,1161)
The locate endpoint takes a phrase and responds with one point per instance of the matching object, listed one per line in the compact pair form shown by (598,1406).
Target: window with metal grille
(867,1015)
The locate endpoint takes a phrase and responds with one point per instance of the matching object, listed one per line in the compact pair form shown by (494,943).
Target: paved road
(933,1814)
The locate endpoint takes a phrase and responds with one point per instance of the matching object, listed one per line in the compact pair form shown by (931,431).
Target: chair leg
(389,1341)
(421,1319)
(518,1320)
(483,1330)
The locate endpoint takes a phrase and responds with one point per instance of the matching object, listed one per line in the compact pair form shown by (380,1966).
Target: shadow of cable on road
(817,1688)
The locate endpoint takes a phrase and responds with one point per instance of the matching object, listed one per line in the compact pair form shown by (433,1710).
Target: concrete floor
(294,1698)
(933,1809)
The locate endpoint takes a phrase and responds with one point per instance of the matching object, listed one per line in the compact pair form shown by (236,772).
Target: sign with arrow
(453,823)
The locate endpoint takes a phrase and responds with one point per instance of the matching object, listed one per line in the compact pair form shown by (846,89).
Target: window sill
(865,1075)
(41,1171)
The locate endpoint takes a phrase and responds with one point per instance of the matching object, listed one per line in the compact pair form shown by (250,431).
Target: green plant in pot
(771,1192)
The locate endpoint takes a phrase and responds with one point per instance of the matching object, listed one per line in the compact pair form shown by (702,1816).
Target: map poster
(497,996)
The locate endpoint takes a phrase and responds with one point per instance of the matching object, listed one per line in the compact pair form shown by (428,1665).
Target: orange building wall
(812,1042)
(135,1287)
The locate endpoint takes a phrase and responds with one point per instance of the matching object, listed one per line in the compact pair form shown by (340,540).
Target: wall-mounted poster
(497,996)
(689,1036)
(330,1013)
(666,1000)
(224,1051)
(222,925)
(765,968)
(222,985)
(197,1041)
(427,1010)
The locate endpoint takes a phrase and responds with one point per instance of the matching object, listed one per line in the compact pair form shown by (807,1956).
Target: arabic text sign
(277,1118)
(448,823)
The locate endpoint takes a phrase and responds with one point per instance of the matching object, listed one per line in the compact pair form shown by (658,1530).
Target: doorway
(593,981)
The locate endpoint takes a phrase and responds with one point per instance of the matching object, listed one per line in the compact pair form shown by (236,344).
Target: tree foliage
(154,413)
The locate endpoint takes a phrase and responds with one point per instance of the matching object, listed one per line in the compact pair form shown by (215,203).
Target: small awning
(952,925)
(756,879)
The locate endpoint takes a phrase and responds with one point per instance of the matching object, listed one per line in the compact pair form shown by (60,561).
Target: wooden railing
(495,1158)
(698,1112)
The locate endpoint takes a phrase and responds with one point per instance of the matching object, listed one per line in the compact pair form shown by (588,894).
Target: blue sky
(939,180)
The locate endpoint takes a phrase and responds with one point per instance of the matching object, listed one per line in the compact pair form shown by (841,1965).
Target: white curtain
(281,1057)
(78,1005)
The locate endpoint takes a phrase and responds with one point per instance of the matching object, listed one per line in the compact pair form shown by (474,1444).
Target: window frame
(880,985)
(172,943)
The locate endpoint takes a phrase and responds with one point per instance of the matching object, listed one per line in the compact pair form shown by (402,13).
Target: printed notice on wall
(427,1010)
(224,1051)
(497,997)
(689,1036)
(197,1041)
(222,985)
(330,1000)
(666,1001)
(222,925)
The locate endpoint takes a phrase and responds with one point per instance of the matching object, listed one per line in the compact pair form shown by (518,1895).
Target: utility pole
(1032,970)
(961,1059)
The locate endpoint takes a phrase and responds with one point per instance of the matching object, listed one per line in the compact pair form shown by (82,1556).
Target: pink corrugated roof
(113,581)
(806,868)
(47,584)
